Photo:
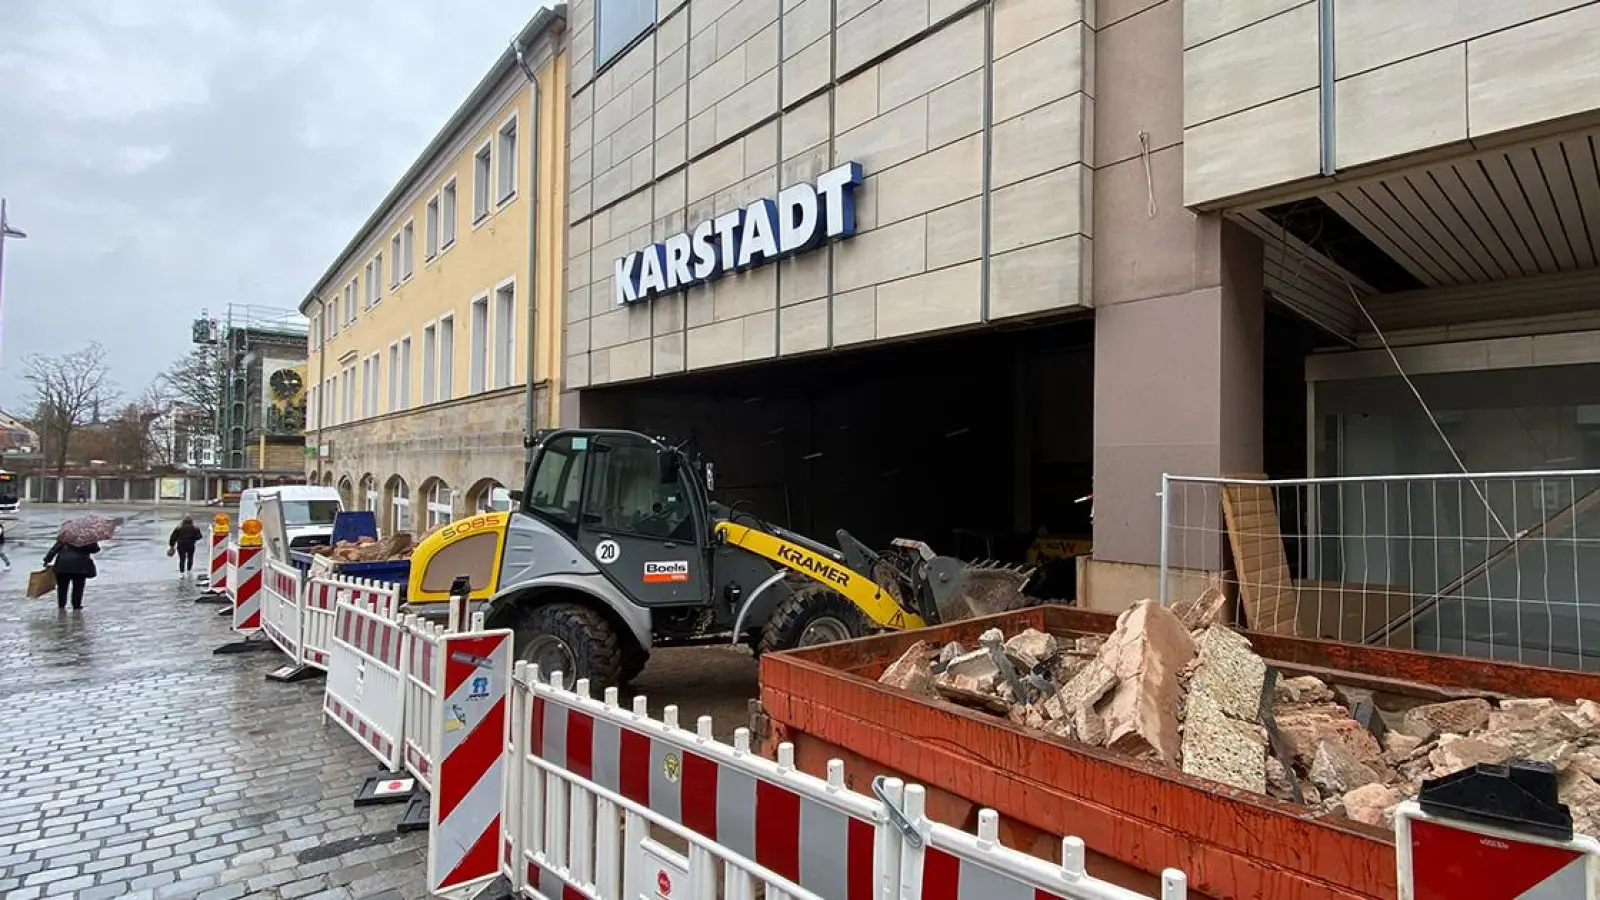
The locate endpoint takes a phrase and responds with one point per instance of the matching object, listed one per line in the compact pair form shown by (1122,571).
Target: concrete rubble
(1179,688)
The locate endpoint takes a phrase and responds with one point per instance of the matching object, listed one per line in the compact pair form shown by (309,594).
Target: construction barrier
(592,780)
(217,563)
(280,607)
(1449,859)
(319,596)
(421,711)
(245,582)
(365,692)
(468,744)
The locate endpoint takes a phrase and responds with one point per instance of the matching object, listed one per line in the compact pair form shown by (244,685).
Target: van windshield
(300,513)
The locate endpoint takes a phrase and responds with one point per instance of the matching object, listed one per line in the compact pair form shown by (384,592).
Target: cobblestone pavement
(138,764)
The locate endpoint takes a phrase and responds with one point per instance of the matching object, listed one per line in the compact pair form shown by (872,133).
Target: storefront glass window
(1515,560)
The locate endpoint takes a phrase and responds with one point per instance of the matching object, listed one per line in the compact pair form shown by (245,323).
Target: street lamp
(6,231)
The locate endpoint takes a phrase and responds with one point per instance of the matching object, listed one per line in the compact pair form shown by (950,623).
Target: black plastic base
(386,787)
(1520,796)
(225,612)
(415,818)
(292,672)
(244,646)
(214,599)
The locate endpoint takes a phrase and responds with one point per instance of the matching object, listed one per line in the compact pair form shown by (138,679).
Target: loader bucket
(965,590)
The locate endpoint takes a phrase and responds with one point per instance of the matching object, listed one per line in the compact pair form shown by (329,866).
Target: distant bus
(10,493)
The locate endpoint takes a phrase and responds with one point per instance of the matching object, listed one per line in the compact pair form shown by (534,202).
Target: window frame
(506,343)
(394,376)
(430,362)
(481,344)
(482,182)
(394,260)
(447,357)
(408,246)
(505,170)
(650,476)
(448,218)
(603,61)
(430,230)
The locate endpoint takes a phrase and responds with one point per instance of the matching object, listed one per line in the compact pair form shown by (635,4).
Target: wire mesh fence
(1496,565)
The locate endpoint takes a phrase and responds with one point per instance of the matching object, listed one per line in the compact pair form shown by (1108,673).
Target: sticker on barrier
(365,693)
(469,749)
(1449,859)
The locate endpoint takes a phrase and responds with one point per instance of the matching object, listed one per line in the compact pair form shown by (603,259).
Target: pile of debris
(1181,689)
(396,546)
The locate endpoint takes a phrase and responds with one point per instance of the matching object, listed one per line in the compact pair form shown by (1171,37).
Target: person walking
(3,557)
(74,567)
(182,542)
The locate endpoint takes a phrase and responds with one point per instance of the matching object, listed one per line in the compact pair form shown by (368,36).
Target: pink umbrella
(86,530)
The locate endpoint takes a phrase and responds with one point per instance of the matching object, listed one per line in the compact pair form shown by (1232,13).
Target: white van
(308,511)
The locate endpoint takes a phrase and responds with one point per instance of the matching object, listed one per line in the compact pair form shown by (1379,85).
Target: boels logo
(814,564)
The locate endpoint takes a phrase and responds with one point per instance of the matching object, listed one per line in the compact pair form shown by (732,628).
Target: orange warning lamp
(220,523)
(250,533)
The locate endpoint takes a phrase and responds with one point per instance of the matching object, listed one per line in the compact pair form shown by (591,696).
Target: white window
(315,331)
(430,234)
(350,394)
(401,504)
(496,499)
(370,384)
(405,372)
(394,377)
(394,260)
(479,378)
(447,357)
(440,501)
(377,279)
(505,333)
(482,171)
(313,411)
(330,318)
(369,492)
(331,400)
(350,293)
(366,387)
(447,215)
(370,283)
(507,151)
(407,245)
(430,363)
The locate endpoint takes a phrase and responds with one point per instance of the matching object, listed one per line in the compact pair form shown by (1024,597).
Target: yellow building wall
(484,255)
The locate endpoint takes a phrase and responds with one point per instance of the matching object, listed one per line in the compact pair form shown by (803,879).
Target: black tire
(808,610)
(590,641)
(633,662)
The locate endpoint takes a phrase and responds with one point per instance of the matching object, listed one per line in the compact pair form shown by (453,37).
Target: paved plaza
(138,764)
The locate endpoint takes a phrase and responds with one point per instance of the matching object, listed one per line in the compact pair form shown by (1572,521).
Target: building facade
(263,398)
(434,332)
(942,268)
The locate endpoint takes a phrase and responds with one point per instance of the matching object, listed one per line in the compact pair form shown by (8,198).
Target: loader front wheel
(572,639)
(810,616)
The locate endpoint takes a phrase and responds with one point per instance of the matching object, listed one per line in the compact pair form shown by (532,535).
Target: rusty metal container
(1136,818)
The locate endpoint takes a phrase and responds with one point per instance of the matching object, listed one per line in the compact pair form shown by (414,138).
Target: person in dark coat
(183,541)
(74,567)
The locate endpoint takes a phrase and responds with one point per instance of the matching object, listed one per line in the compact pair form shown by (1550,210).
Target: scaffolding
(242,336)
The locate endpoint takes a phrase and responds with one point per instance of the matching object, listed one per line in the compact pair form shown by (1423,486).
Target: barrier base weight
(244,646)
(225,612)
(415,818)
(385,787)
(213,599)
(292,672)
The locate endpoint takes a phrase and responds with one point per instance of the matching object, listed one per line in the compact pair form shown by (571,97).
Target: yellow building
(436,332)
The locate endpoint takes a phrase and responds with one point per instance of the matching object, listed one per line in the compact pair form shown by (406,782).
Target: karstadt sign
(802,217)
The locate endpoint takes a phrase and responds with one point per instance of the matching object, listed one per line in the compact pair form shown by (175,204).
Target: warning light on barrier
(220,523)
(250,533)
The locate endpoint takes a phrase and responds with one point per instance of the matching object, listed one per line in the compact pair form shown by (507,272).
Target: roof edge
(542,21)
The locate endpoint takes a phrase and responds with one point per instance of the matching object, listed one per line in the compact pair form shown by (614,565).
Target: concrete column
(1178,315)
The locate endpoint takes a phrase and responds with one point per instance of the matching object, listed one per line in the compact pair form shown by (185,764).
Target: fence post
(1166,518)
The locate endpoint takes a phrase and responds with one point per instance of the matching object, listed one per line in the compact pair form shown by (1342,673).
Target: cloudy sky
(170,156)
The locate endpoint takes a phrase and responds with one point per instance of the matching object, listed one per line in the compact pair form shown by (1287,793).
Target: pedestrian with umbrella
(72,556)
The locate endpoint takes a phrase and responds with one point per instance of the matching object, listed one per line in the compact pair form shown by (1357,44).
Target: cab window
(626,494)
(556,486)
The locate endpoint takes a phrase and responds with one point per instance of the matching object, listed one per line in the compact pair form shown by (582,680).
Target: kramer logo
(816,565)
(803,216)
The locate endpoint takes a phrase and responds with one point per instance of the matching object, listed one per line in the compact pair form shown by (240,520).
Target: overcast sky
(169,156)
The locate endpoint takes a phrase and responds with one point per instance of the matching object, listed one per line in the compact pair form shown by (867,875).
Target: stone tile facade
(973,125)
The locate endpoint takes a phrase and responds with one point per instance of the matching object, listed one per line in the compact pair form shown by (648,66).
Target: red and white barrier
(217,563)
(421,701)
(280,606)
(1448,859)
(365,692)
(320,594)
(592,780)
(245,583)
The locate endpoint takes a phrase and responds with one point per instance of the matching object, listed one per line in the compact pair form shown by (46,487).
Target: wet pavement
(136,763)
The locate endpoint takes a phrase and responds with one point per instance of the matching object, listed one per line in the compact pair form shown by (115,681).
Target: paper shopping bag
(41,582)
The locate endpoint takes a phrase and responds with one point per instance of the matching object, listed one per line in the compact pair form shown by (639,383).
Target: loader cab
(634,505)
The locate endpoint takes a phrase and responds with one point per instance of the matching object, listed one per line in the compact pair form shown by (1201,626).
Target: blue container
(353,525)
(390,571)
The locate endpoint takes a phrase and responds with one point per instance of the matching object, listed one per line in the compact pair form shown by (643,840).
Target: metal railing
(1502,565)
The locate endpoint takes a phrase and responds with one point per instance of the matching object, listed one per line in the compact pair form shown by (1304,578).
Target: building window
(330,319)
(350,394)
(447,215)
(405,372)
(394,377)
(505,333)
(430,362)
(440,501)
(430,234)
(617,23)
(479,378)
(482,171)
(407,246)
(447,357)
(350,293)
(369,493)
(313,411)
(330,400)
(507,150)
(400,505)
(315,331)
(366,299)
(394,260)
(374,369)
(377,278)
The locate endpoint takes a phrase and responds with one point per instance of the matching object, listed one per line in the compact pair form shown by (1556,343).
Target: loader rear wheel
(572,639)
(812,615)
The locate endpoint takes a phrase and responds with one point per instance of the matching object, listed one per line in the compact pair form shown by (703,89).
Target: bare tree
(69,389)
(196,379)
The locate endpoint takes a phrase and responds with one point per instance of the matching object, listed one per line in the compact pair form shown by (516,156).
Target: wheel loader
(616,547)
